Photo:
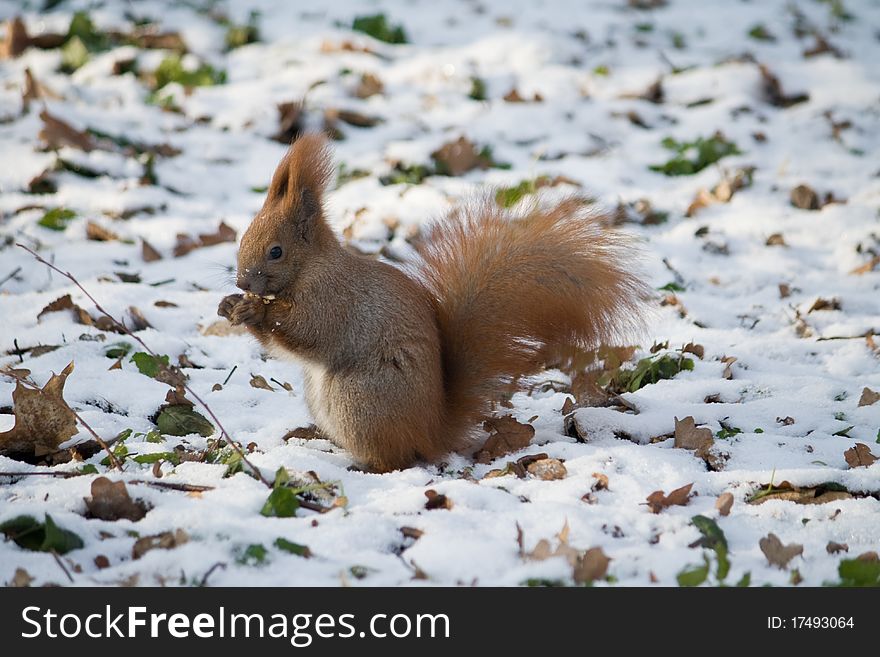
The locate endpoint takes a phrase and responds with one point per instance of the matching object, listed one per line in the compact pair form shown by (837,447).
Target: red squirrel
(401,367)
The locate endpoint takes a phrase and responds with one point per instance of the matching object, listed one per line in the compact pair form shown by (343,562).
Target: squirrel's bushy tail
(508,288)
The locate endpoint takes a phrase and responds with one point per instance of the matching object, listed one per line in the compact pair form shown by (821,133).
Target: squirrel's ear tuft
(303,174)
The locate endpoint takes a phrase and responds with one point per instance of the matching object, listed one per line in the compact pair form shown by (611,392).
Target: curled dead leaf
(657,501)
(163,541)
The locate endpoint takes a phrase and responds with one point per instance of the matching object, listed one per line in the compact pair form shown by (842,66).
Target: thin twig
(61,564)
(10,276)
(211,570)
(33,386)
(229,376)
(223,433)
(170,485)
(64,475)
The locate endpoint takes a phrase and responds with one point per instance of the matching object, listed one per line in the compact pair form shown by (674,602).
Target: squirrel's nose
(243,284)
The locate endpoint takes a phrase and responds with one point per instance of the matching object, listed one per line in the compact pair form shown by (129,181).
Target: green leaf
(281,503)
(149,365)
(253,555)
(844,432)
(714,539)
(241,35)
(171,69)
(88,469)
(478,89)
(30,534)
(695,575)
(672,286)
(74,55)
(377,26)
(694,156)
(745,581)
(293,548)
(155,457)
(182,420)
(281,478)
(858,572)
(57,218)
(117,350)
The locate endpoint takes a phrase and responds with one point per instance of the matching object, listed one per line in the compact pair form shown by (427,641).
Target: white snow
(733,302)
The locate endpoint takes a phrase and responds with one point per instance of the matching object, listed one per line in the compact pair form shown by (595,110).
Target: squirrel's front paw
(242,309)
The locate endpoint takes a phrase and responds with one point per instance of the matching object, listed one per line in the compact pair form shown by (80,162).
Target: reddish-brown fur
(400,368)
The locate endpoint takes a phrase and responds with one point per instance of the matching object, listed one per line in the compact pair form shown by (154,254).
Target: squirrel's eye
(275,253)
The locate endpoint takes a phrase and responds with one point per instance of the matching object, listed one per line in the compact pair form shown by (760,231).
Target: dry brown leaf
(351,117)
(591,566)
(98,233)
(258,381)
(548,469)
(43,420)
(111,501)
(689,436)
(21,579)
(869,266)
(859,456)
(459,156)
(834,548)
(412,532)
(696,349)
(148,252)
(369,85)
(80,316)
(776,239)
(825,304)
(728,367)
(138,321)
(224,233)
(805,198)
(724,503)
(777,553)
(437,500)
(57,133)
(17,39)
(784,290)
(508,436)
(772,90)
(291,122)
(601,482)
(222,328)
(868,397)
(568,406)
(657,501)
(163,541)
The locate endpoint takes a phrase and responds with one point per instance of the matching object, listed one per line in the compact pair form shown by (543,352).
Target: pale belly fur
(317,381)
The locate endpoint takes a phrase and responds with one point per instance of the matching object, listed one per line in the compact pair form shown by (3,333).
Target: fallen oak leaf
(859,456)
(777,553)
(508,435)
(657,501)
(689,436)
(97,233)
(834,548)
(111,501)
(43,420)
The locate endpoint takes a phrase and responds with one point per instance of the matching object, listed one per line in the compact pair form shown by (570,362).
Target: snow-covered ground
(792,390)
